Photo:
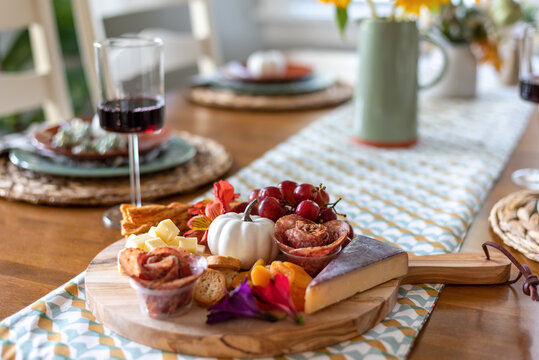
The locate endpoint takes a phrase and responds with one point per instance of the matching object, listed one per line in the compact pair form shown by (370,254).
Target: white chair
(180,49)
(45,85)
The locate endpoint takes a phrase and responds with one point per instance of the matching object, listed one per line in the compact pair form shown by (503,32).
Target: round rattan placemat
(336,94)
(211,162)
(515,220)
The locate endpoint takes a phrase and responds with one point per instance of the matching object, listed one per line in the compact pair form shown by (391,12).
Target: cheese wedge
(153,244)
(166,230)
(363,264)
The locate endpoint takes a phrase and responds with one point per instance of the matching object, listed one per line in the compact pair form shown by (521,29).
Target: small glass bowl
(163,304)
(311,264)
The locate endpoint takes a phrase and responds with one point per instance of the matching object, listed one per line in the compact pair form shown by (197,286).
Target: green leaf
(341,15)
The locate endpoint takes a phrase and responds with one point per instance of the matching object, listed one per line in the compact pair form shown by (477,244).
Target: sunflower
(343,4)
(413,7)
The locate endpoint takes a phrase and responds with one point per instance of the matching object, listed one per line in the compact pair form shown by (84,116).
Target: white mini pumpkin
(243,236)
(262,64)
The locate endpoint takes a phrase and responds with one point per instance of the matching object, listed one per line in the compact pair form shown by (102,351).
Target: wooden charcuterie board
(114,303)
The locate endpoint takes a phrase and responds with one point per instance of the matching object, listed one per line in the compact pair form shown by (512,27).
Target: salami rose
(307,234)
(163,278)
(162,268)
(299,236)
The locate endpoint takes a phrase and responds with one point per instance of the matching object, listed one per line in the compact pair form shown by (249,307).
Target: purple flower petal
(240,302)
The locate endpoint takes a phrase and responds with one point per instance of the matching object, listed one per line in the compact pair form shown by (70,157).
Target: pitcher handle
(428,38)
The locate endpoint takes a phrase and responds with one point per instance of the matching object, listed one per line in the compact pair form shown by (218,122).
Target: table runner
(422,199)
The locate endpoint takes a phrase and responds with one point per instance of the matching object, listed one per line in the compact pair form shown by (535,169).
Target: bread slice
(210,288)
(229,276)
(223,262)
(139,220)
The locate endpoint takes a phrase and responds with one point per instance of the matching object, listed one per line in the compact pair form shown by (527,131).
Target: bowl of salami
(309,244)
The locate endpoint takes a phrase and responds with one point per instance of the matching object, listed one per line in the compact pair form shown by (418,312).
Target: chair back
(45,85)
(180,49)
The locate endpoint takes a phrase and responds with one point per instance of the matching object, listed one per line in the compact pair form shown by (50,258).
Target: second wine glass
(130,72)
(529,90)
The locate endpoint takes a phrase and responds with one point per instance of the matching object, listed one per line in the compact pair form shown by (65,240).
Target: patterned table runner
(421,199)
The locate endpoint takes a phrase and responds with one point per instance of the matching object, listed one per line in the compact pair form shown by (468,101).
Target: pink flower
(277,295)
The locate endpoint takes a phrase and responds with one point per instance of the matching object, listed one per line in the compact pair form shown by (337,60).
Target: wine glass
(130,72)
(529,90)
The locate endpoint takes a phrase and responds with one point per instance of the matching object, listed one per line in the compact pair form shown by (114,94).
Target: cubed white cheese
(189,244)
(167,230)
(201,249)
(152,232)
(155,243)
(175,241)
(138,241)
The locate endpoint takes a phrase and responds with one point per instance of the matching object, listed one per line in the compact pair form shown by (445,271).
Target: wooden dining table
(41,247)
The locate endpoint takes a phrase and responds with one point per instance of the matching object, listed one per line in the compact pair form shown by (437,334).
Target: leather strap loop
(532,281)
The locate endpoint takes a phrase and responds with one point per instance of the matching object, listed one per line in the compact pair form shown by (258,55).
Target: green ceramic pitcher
(387,85)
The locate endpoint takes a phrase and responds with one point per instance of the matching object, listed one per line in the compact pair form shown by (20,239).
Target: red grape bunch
(306,200)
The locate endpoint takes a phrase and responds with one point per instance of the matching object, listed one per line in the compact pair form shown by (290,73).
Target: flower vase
(387,86)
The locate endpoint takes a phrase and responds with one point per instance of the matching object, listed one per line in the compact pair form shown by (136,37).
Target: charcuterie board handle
(458,268)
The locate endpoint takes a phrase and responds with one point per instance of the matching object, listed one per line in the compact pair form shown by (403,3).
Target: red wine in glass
(132,115)
(130,73)
(529,88)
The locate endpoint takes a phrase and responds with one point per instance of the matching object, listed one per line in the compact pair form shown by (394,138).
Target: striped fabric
(421,199)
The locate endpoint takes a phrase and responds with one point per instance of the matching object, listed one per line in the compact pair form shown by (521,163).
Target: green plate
(175,152)
(313,83)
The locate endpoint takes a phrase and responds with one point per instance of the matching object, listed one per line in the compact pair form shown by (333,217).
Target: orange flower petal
(214,209)
(199,222)
(224,193)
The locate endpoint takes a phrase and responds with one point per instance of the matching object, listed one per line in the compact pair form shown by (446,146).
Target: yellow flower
(338,3)
(414,6)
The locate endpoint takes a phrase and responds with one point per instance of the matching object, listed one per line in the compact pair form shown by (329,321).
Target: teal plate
(176,151)
(313,83)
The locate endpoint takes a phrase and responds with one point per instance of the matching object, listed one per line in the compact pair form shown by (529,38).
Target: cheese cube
(155,243)
(201,249)
(167,230)
(189,244)
(175,241)
(138,241)
(152,232)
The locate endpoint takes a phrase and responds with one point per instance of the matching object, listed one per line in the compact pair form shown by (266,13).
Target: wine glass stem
(134,169)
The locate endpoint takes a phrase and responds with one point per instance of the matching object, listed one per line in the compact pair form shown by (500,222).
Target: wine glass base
(113,216)
(528,178)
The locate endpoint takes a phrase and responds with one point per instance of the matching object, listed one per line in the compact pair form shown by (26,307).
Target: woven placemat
(515,220)
(336,94)
(211,162)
